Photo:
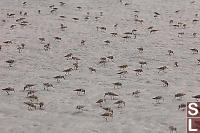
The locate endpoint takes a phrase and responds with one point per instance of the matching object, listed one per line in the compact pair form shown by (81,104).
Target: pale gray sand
(36,66)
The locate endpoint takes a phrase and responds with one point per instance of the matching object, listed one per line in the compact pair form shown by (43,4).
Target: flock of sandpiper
(34,103)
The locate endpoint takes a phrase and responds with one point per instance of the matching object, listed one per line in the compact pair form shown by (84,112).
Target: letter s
(194,109)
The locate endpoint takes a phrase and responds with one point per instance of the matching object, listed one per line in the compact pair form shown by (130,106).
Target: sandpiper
(182,107)
(117,84)
(138,71)
(111,94)
(80,91)
(197,97)
(165,83)
(158,98)
(162,68)
(179,95)
(120,102)
(194,50)
(136,93)
(10,62)
(9,89)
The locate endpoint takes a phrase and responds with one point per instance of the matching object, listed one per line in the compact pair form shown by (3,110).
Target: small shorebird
(198,61)
(194,35)
(170,52)
(107,42)
(19,48)
(12,26)
(152,31)
(83,42)
(51,6)
(57,38)
(162,68)
(117,84)
(47,47)
(180,34)
(75,66)
(101,28)
(140,49)
(165,83)
(8,42)
(106,115)
(47,85)
(76,59)
(62,16)
(76,19)
(79,7)
(103,58)
(111,94)
(9,89)
(115,26)
(92,69)
(31,92)
(41,104)
(30,105)
(128,33)
(41,39)
(80,107)
(29,86)
(22,45)
(136,93)
(142,63)
(156,13)
(79,91)
(126,4)
(67,71)
(197,97)
(68,55)
(62,3)
(172,129)
(176,64)
(179,95)
(184,26)
(113,34)
(32,97)
(10,14)
(182,106)
(158,98)
(138,71)
(126,37)
(149,28)
(63,27)
(100,101)
(134,31)
(103,62)
(176,25)
(20,19)
(171,21)
(87,17)
(139,20)
(109,109)
(120,102)
(10,62)
(110,57)
(123,66)
(194,50)
(122,73)
(59,77)
(195,20)
(53,10)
